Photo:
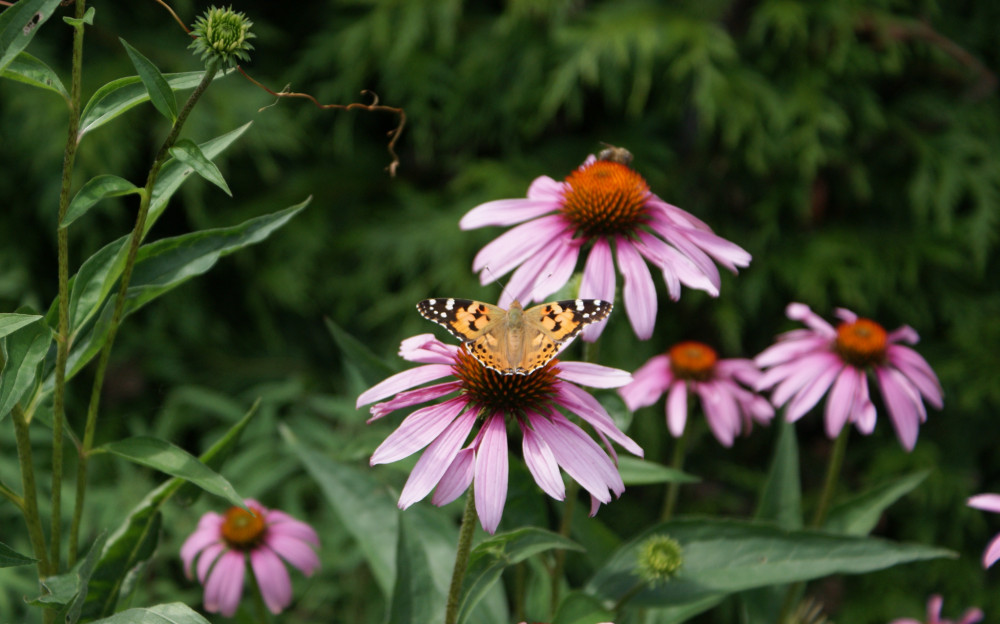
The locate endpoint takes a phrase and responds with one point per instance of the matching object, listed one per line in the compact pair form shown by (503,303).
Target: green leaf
(131,546)
(488,560)
(781,499)
(356,354)
(11,322)
(637,471)
(94,191)
(415,597)
(66,592)
(859,515)
(726,556)
(162,266)
(160,93)
(175,461)
(10,557)
(23,351)
(172,613)
(18,25)
(579,608)
(191,155)
(88,19)
(123,94)
(31,71)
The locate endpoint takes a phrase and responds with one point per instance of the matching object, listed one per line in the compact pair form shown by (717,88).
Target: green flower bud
(222,35)
(659,558)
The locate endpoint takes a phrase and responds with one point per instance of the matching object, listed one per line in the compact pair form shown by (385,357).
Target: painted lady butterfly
(514,341)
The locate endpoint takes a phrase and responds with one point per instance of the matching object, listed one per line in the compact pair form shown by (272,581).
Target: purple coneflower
(694,366)
(971,616)
(270,537)
(604,202)
(805,363)
(483,398)
(988,502)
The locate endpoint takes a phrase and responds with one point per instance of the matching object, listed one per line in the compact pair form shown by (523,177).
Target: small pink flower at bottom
(480,403)
(988,502)
(806,363)
(222,543)
(971,616)
(694,367)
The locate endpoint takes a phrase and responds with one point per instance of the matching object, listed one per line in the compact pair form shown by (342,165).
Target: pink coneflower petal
(843,400)
(515,246)
(992,553)
(810,394)
(721,413)
(639,291)
(576,453)
(598,282)
(676,408)
(904,333)
(206,534)
(692,252)
(456,479)
(804,374)
(865,419)
(673,216)
(224,587)
(296,552)
(649,381)
(918,371)
(986,502)
(544,187)
(418,430)
(904,407)
(787,351)
(272,578)
(491,473)
(280,523)
(729,255)
(593,375)
(589,409)
(426,349)
(409,398)
(403,381)
(557,271)
(208,558)
(815,322)
(435,460)
(506,212)
(542,464)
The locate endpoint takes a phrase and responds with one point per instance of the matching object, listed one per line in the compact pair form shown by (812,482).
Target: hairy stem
(102,365)
(31,517)
(461,557)
(677,462)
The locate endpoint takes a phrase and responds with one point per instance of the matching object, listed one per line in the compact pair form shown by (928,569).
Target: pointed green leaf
(88,19)
(174,172)
(726,556)
(10,557)
(488,560)
(131,546)
(172,613)
(579,608)
(859,515)
(66,592)
(357,354)
(637,471)
(18,25)
(94,191)
(123,94)
(11,322)
(23,350)
(31,71)
(781,499)
(191,155)
(415,598)
(174,461)
(160,93)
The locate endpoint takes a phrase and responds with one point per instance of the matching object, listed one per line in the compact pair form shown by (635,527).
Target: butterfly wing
(550,326)
(466,319)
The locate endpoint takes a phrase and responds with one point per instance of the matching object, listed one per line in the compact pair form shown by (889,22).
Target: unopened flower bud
(222,35)
(659,558)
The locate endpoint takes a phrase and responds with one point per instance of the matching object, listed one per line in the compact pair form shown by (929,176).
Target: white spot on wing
(448,305)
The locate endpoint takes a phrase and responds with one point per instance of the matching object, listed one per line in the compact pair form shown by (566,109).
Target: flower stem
(62,336)
(461,557)
(260,609)
(565,526)
(676,462)
(819,516)
(31,517)
(119,309)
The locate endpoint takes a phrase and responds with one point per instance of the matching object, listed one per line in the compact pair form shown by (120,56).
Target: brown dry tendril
(374,106)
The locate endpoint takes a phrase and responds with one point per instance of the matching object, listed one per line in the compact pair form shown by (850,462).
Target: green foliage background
(850,146)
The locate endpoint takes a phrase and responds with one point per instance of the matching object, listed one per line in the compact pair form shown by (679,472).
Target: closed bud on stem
(660,557)
(223,36)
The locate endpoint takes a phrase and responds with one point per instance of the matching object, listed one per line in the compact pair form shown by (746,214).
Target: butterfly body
(514,341)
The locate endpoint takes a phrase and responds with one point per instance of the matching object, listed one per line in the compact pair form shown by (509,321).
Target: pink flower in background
(601,205)
(271,538)
(988,502)
(806,363)
(694,367)
(485,401)
(971,616)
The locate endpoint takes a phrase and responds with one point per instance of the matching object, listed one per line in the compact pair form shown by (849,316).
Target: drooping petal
(843,399)
(577,454)
(491,473)
(726,253)
(558,270)
(589,409)
(639,291)
(676,408)
(900,402)
(296,552)
(516,245)
(418,430)
(649,381)
(678,238)
(208,557)
(598,282)
(542,463)
(865,419)
(721,412)
(456,479)
(506,212)
(208,532)
(786,351)
(992,553)
(435,460)
(918,371)
(224,586)
(801,374)
(593,375)
(810,394)
(403,381)
(280,523)
(272,578)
